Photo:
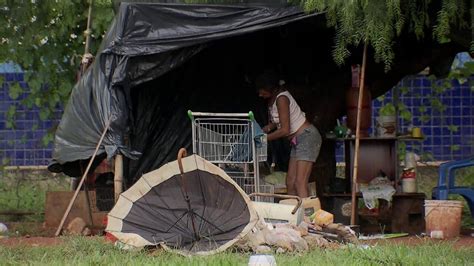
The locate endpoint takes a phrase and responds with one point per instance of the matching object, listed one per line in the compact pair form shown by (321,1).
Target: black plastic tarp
(135,83)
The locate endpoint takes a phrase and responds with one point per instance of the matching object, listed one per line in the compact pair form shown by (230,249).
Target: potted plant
(386,121)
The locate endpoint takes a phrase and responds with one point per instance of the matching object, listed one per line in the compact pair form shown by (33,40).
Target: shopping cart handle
(280,196)
(250,115)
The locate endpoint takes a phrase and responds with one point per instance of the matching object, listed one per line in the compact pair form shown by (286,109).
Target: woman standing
(288,121)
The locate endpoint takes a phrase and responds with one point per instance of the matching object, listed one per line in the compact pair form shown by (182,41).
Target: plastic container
(409,185)
(323,218)
(386,126)
(310,204)
(443,218)
(410,160)
(3,231)
(262,260)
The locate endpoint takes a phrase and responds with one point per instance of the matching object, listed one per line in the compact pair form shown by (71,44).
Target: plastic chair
(446,184)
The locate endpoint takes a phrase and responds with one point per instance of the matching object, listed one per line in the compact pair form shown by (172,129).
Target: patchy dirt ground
(36,241)
(462,241)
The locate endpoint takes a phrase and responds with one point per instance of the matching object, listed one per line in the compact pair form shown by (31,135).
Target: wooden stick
(118,176)
(71,202)
(88,202)
(88,30)
(357,138)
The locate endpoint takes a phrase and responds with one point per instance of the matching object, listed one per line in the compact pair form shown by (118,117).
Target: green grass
(26,191)
(94,251)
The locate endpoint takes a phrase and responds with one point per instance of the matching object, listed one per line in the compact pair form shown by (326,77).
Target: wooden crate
(57,202)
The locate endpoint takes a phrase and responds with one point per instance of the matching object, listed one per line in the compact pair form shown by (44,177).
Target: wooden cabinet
(376,155)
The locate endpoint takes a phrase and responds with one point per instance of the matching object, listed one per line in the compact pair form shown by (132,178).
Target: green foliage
(94,251)
(450,14)
(387,109)
(379,22)
(26,190)
(45,38)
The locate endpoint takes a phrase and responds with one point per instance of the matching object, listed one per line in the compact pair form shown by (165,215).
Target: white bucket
(386,126)
(443,218)
(262,260)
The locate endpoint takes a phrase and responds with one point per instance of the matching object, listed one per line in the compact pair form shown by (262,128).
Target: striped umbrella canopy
(189,206)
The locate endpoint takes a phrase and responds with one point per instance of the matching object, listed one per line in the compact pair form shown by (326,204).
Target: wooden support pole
(357,138)
(71,202)
(118,176)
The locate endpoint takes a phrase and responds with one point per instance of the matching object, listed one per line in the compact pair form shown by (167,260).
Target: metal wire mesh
(245,178)
(225,141)
(232,143)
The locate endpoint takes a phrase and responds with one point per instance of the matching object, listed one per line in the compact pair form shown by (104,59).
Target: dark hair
(268,80)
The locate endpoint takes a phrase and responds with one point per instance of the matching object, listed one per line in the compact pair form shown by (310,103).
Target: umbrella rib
(201,225)
(205,220)
(181,228)
(152,230)
(156,193)
(219,192)
(188,201)
(158,217)
(143,207)
(182,216)
(159,197)
(164,240)
(211,214)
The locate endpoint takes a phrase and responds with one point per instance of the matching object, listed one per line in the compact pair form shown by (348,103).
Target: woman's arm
(283,106)
(269,127)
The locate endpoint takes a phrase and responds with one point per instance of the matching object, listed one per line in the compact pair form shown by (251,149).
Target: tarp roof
(144,42)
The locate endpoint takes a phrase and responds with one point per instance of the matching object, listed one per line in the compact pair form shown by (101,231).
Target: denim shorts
(306,146)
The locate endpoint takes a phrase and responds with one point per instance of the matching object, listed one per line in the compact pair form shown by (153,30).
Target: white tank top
(297,117)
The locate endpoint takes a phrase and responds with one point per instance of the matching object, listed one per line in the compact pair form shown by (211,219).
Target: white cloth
(377,189)
(297,117)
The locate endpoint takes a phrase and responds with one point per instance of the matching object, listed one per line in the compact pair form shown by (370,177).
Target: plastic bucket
(443,218)
(386,126)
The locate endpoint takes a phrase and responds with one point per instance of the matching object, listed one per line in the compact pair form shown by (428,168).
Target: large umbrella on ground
(188,205)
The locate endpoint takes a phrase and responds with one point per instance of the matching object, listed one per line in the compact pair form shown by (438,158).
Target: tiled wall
(448,135)
(21,145)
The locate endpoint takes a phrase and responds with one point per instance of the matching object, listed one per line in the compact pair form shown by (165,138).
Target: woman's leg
(291,177)
(303,171)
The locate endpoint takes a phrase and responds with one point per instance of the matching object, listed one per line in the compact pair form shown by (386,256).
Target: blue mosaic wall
(448,135)
(21,145)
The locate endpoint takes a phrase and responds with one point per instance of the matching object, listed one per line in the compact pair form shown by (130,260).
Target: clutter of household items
(213,213)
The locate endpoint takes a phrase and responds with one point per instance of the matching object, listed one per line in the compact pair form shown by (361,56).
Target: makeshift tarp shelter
(157,61)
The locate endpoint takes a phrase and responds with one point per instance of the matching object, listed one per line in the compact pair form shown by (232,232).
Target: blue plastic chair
(446,184)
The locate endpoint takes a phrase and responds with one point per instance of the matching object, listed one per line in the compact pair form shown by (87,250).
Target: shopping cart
(234,142)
